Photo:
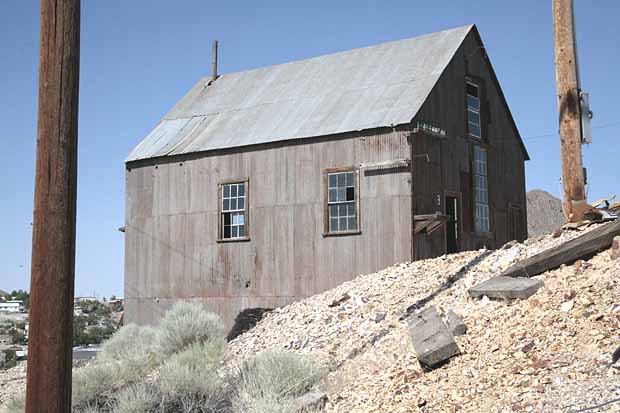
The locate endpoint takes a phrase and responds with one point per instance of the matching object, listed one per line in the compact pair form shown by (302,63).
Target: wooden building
(263,187)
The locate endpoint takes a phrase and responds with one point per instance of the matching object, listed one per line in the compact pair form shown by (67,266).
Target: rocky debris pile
(12,382)
(544,213)
(517,355)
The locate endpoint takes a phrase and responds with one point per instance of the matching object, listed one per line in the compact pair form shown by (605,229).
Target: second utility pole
(567,79)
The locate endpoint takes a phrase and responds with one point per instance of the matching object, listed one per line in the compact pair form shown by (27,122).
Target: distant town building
(12,306)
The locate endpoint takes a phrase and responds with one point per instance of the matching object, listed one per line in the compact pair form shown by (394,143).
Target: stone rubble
(432,340)
(523,355)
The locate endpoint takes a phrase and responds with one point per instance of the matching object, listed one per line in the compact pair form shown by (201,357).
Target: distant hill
(544,213)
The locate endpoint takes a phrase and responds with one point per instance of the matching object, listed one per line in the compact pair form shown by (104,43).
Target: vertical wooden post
(567,79)
(53,239)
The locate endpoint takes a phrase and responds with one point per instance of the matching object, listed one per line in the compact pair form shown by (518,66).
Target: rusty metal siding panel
(355,90)
(173,254)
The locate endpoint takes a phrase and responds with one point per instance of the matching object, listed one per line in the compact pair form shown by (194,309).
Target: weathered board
(566,253)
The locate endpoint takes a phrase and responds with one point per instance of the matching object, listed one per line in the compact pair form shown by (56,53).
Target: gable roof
(366,88)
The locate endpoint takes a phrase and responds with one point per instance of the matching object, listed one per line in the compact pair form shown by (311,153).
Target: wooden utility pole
(567,79)
(53,238)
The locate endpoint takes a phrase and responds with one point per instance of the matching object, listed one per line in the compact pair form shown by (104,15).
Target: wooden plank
(570,251)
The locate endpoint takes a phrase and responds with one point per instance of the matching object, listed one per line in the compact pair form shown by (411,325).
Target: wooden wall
(449,170)
(172,225)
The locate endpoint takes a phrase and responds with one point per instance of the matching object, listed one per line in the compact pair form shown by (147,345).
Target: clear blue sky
(139,57)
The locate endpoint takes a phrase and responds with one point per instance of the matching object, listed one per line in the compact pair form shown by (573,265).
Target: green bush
(186,324)
(190,380)
(137,399)
(93,384)
(129,342)
(15,405)
(274,379)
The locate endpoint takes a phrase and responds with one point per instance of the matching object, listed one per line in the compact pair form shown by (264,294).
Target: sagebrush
(178,367)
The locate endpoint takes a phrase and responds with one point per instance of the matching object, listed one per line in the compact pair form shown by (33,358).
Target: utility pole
(567,79)
(53,239)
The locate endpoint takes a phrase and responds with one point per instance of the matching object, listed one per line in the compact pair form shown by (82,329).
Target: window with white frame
(233,207)
(481,190)
(474,125)
(341,202)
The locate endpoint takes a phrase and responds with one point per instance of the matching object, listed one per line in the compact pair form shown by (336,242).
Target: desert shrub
(137,398)
(274,379)
(93,384)
(133,349)
(186,324)
(189,380)
(267,404)
(15,405)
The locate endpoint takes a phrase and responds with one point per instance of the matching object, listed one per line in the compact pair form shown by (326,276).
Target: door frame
(459,239)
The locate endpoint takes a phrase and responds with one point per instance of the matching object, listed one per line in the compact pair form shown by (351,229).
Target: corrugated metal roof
(365,88)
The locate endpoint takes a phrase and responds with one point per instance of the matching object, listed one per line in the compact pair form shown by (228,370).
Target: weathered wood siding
(172,225)
(449,170)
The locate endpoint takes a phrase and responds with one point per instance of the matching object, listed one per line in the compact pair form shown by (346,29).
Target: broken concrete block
(432,340)
(455,323)
(506,288)
(311,401)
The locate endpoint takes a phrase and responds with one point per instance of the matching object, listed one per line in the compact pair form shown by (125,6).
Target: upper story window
(342,201)
(474,128)
(481,190)
(233,210)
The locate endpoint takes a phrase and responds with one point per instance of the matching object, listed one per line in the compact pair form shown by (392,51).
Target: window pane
(233,203)
(333,195)
(226,191)
(333,211)
(473,103)
(241,190)
(472,89)
(241,218)
(226,231)
(351,209)
(234,232)
(233,190)
(235,219)
(332,180)
(333,224)
(351,194)
(343,224)
(473,117)
(474,130)
(242,231)
(341,180)
(352,224)
(341,194)
(349,179)
(227,218)
(226,205)
(342,210)
(241,203)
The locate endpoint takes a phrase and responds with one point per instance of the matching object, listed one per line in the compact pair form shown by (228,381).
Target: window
(342,199)
(481,190)
(474,128)
(233,210)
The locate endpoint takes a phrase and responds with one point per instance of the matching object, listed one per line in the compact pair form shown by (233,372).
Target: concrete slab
(506,288)
(432,340)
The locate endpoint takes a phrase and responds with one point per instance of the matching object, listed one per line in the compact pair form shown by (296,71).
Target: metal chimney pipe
(214,61)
